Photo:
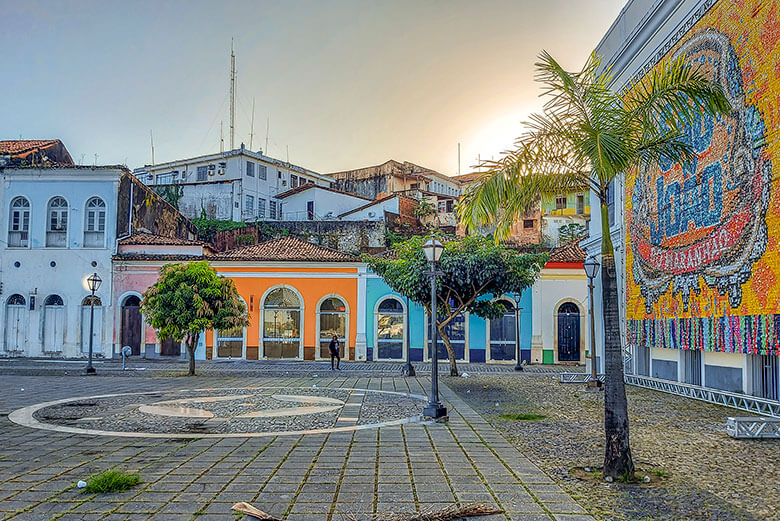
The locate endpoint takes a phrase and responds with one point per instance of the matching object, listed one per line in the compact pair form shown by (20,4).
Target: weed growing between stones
(111,480)
(522,417)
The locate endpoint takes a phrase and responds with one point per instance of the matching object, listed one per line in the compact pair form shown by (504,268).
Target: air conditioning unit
(212,167)
(221,171)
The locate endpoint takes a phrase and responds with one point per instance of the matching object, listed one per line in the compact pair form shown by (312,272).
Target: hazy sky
(345,84)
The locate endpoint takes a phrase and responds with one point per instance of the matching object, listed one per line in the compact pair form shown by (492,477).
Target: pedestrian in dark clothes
(333,347)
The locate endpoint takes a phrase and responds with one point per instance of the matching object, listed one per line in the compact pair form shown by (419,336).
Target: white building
(237,185)
(311,202)
(59,227)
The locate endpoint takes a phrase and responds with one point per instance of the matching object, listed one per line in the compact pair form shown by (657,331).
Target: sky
(336,84)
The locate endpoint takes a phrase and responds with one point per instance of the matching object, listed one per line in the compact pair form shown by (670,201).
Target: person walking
(333,347)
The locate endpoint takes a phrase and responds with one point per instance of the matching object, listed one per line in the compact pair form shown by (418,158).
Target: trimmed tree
(469,269)
(190,298)
(587,136)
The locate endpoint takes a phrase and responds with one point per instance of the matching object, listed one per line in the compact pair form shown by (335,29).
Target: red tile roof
(25,148)
(569,252)
(146,239)
(306,186)
(286,249)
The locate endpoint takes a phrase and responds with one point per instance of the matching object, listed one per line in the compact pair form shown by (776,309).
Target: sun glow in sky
(340,84)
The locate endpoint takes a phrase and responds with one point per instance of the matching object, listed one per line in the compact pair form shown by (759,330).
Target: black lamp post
(591,270)
(408,369)
(519,364)
(433,250)
(93,283)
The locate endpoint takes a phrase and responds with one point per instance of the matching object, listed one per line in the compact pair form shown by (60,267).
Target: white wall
(374,212)
(550,291)
(44,271)
(325,201)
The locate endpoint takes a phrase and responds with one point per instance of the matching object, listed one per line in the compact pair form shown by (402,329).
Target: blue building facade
(391,320)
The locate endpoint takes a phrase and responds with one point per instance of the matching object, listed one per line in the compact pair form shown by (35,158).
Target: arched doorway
(568,332)
(502,333)
(389,330)
(53,323)
(97,326)
(282,324)
(16,320)
(332,319)
(130,328)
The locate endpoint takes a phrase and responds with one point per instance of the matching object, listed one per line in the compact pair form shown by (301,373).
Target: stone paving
(400,468)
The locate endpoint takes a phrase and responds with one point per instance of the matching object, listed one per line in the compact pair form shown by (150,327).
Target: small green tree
(190,298)
(469,268)
(570,232)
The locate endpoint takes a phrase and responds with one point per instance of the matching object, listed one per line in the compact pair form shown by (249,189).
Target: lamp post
(408,369)
(93,283)
(433,250)
(519,364)
(591,270)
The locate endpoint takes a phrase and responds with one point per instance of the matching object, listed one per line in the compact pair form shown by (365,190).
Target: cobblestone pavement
(143,367)
(300,477)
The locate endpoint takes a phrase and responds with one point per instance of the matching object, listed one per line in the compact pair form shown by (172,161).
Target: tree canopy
(469,268)
(190,298)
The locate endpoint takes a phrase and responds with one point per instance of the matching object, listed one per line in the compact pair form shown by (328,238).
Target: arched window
(57,223)
(19,223)
(53,323)
(95,223)
(390,330)
(16,320)
(333,321)
(502,333)
(282,324)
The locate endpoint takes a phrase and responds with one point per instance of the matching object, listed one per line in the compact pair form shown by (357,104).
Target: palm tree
(586,136)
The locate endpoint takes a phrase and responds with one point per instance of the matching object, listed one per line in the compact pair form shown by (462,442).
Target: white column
(361,315)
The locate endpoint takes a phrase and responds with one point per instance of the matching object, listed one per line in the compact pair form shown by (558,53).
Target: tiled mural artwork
(702,239)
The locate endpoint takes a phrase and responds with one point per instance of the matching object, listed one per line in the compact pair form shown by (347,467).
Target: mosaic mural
(702,238)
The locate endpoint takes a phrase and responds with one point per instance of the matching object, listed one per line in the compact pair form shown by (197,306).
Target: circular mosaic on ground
(233,412)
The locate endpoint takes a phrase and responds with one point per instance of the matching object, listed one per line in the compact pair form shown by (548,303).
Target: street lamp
(408,369)
(591,270)
(93,283)
(433,250)
(519,364)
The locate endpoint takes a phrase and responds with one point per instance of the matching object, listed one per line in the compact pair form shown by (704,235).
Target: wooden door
(568,333)
(170,347)
(130,334)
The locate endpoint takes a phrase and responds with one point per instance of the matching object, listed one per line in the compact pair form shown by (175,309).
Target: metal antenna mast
(267,127)
(252,131)
(232,95)
(221,139)
(151,141)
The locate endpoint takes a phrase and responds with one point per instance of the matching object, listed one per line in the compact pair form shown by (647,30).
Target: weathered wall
(149,212)
(348,236)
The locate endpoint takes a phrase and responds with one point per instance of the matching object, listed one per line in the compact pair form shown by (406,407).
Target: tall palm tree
(586,136)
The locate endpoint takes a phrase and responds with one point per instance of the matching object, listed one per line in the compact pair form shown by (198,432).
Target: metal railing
(751,427)
(578,378)
(734,400)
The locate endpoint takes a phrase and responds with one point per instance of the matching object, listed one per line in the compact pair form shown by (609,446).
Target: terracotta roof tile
(569,252)
(290,249)
(145,239)
(16,146)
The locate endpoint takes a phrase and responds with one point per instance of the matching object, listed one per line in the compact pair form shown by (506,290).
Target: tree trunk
(192,343)
(617,456)
(450,351)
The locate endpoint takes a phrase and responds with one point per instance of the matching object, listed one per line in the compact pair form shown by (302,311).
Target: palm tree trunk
(450,351)
(617,456)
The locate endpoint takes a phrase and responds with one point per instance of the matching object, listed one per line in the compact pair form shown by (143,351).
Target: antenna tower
(232,95)
(252,131)
(151,141)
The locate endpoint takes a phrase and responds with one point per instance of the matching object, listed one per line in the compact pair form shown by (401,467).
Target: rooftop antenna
(151,142)
(221,139)
(81,161)
(252,131)
(458,158)
(288,154)
(267,127)
(96,156)
(232,95)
